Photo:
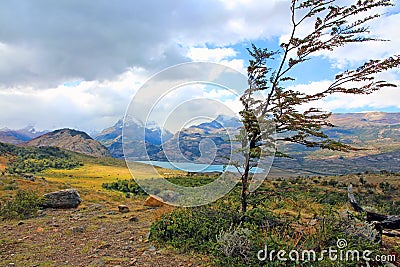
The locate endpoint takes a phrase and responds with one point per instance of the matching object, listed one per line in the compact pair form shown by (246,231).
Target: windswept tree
(317,26)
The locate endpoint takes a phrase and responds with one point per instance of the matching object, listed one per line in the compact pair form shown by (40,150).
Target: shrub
(193,229)
(236,243)
(24,205)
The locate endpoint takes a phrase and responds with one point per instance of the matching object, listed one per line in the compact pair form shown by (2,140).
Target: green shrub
(125,186)
(24,205)
(194,229)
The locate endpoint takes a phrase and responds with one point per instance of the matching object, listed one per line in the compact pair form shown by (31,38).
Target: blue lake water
(196,167)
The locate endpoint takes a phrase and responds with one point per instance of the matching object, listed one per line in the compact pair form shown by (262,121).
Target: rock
(105,246)
(123,208)
(133,261)
(153,202)
(79,229)
(133,219)
(96,207)
(98,263)
(63,199)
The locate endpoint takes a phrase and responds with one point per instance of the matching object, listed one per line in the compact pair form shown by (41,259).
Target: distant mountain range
(377,132)
(151,136)
(19,136)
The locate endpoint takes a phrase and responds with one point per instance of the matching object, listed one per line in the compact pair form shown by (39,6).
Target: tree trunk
(245,176)
(382,221)
(245,180)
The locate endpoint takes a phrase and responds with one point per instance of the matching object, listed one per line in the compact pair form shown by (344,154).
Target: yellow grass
(93,175)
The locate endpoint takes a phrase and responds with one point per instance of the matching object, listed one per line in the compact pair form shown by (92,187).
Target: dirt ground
(93,235)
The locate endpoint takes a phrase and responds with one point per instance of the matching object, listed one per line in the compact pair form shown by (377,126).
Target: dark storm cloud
(44,42)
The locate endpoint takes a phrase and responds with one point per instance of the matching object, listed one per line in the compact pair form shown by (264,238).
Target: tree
(330,25)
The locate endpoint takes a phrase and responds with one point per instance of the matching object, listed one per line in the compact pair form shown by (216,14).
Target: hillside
(71,140)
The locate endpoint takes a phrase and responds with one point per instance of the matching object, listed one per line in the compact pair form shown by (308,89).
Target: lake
(196,167)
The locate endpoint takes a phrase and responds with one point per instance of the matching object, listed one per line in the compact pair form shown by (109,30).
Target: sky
(78,64)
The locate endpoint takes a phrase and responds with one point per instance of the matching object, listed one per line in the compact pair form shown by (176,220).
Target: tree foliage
(33,160)
(317,26)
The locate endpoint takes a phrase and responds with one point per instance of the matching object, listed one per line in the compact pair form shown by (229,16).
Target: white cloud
(384,98)
(221,55)
(88,105)
(213,55)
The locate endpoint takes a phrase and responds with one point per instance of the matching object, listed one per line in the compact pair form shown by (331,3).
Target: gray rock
(64,199)
(123,208)
(79,229)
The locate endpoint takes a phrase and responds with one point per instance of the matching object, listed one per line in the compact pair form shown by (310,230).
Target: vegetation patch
(283,215)
(33,160)
(23,206)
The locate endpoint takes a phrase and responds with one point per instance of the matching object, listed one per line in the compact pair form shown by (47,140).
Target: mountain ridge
(72,140)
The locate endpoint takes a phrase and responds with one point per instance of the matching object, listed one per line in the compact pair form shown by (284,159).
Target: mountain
(140,135)
(19,136)
(72,140)
(377,133)
(204,143)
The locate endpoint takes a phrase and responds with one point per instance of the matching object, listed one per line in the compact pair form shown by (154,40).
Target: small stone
(129,248)
(152,248)
(133,219)
(98,263)
(104,246)
(123,208)
(79,229)
(96,207)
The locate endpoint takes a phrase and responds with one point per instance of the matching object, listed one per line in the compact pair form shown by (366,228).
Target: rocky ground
(93,235)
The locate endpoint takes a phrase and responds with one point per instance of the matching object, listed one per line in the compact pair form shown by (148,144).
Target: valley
(303,194)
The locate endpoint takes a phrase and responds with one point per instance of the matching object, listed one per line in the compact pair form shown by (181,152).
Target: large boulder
(63,199)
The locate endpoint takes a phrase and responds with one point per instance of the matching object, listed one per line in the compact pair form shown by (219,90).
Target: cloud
(383,99)
(72,63)
(87,105)
(44,42)
(213,55)
(221,55)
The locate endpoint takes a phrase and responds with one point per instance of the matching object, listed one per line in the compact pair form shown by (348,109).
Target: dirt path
(95,235)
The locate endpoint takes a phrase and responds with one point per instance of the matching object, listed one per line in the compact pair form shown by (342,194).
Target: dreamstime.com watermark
(334,254)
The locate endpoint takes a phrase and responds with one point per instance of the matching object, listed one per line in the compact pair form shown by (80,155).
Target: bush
(193,229)
(24,205)
(125,186)
(236,243)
